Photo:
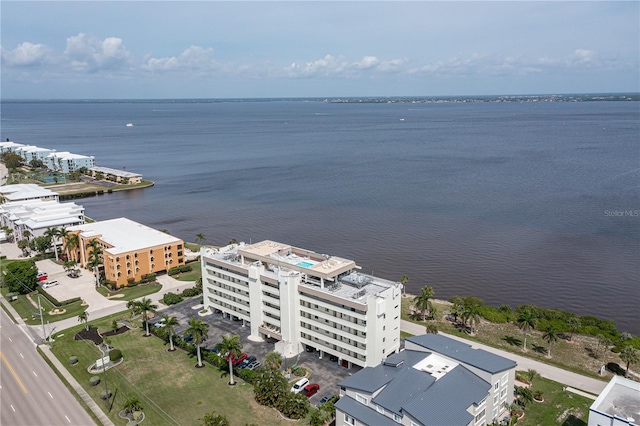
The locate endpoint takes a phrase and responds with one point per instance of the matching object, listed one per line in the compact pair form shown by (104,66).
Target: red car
(310,390)
(42,276)
(236,361)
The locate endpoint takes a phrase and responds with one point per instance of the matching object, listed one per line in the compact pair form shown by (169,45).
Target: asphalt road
(30,392)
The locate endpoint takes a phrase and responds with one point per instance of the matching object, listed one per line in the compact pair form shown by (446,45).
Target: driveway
(324,372)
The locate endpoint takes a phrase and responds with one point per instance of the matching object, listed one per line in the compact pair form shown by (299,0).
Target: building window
(503,392)
(495,399)
(480,415)
(349,420)
(504,379)
(361,399)
(397,418)
(496,385)
(380,409)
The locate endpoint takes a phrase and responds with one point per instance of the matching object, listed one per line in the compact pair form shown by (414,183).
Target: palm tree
(606,342)
(526,321)
(573,323)
(198,328)
(422,301)
(404,279)
(630,356)
(170,324)
(432,329)
(550,336)
(52,234)
(231,346)
(213,419)
(145,305)
(200,237)
(531,374)
(471,313)
(71,242)
(273,360)
(83,318)
(94,259)
(132,404)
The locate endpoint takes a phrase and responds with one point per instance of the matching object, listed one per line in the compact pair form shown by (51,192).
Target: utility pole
(44,333)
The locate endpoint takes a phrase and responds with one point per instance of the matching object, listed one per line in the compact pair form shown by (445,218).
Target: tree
(95,259)
(422,302)
(404,279)
(629,355)
(270,386)
(71,242)
(84,318)
(232,347)
(213,419)
(145,305)
(70,267)
(24,246)
(21,276)
(41,244)
(199,329)
(574,324)
(531,374)
(11,160)
(200,237)
(550,336)
(471,313)
(432,329)
(52,233)
(132,404)
(526,321)
(525,395)
(273,360)
(233,241)
(170,324)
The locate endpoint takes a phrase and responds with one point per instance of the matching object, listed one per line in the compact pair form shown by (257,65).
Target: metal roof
(463,352)
(365,414)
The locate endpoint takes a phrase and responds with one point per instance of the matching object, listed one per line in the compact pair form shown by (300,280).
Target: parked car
(333,358)
(328,397)
(254,365)
(50,284)
(159,324)
(42,276)
(299,385)
(310,390)
(188,337)
(237,361)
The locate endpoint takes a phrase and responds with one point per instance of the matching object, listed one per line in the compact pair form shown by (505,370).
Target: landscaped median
(169,388)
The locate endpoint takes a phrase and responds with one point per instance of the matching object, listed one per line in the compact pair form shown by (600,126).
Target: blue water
(513,202)
(305,264)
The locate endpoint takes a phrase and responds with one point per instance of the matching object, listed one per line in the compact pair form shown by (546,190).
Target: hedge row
(53,300)
(178,269)
(171,298)
(80,195)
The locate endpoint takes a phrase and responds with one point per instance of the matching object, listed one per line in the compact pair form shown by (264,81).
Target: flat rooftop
(114,172)
(621,398)
(20,191)
(125,235)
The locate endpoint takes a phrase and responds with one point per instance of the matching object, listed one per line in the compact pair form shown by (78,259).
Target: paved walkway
(568,378)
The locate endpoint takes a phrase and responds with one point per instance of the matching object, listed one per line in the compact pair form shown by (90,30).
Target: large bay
(515,202)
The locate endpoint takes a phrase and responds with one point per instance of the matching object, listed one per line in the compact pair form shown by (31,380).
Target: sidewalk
(568,378)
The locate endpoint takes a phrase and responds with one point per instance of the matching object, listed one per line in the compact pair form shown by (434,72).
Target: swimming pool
(305,264)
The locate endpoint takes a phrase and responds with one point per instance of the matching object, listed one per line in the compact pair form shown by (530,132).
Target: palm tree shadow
(539,349)
(513,341)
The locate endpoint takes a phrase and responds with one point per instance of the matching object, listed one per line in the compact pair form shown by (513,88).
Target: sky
(246,49)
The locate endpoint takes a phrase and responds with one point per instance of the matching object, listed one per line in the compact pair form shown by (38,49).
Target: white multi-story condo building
(67,162)
(304,300)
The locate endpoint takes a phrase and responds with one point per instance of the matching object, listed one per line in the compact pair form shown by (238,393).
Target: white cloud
(194,58)
(87,53)
(27,55)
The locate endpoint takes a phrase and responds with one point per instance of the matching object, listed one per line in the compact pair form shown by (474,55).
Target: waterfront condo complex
(304,301)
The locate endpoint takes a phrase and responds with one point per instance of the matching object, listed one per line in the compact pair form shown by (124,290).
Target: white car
(49,284)
(299,385)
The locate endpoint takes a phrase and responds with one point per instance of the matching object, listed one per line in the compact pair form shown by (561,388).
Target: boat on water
(129,124)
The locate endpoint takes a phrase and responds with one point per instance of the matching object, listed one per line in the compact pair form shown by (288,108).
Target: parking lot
(323,371)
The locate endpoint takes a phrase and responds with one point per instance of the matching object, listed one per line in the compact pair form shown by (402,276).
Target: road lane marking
(34,373)
(14,410)
(22,355)
(50,395)
(10,340)
(15,376)
(67,418)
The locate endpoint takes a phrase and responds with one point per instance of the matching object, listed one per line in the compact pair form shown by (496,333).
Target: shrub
(115,355)
(171,298)
(105,394)
(73,360)
(191,292)
(246,375)
(94,380)
(494,315)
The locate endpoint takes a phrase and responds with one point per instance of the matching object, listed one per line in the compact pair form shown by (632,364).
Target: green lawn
(560,407)
(130,293)
(171,389)
(28,311)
